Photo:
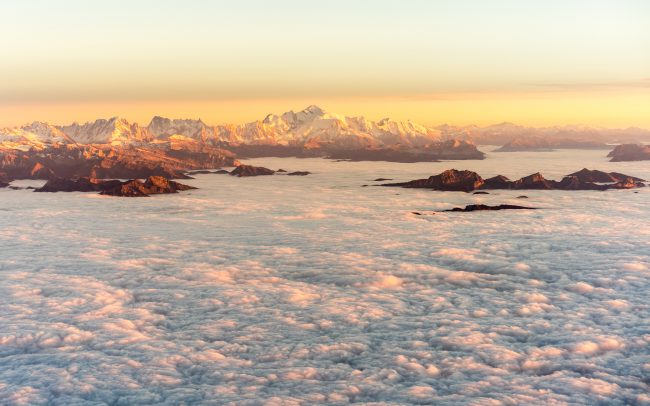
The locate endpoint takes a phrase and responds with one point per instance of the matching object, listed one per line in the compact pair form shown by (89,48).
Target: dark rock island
(630,152)
(467,181)
(483,207)
(153,185)
(249,170)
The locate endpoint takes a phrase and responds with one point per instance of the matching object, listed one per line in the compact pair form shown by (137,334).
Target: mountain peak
(159,121)
(315,110)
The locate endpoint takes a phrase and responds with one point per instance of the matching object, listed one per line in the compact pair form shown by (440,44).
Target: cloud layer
(314,290)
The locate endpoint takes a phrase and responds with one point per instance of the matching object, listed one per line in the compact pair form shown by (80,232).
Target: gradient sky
(461,61)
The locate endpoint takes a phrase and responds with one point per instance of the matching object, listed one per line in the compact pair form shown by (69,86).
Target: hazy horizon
(379,117)
(466,62)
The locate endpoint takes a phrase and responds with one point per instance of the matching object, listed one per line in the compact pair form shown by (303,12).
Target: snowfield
(303,290)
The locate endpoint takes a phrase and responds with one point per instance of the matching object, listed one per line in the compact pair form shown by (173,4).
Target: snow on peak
(314,110)
(35,135)
(314,126)
(115,131)
(161,127)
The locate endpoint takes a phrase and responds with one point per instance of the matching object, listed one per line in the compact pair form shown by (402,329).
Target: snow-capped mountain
(162,127)
(35,135)
(114,131)
(313,127)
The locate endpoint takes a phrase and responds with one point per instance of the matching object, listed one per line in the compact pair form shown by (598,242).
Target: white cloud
(324,292)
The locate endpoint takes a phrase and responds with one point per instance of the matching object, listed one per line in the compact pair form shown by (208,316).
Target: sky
(460,62)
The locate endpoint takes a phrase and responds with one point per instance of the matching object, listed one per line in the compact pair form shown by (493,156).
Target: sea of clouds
(304,290)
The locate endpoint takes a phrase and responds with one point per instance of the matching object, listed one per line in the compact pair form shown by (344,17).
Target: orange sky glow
(433,62)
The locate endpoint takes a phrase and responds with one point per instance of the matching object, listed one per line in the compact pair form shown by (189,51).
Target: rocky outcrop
(299,173)
(534,181)
(628,183)
(41,172)
(75,185)
(249,170)
(449,180)
(131,188)
(630,152)
(497,182)
(467,181)
(169,159)
(588,175)
(483,207)
(153,185)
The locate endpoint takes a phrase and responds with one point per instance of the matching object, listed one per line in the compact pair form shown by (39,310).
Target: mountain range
(311,128)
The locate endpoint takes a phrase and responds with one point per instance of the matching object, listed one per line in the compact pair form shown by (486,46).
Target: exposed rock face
(574,183)
(168,159)
(299,173)
(130,188)
(546,144)
(587,175)
(483,207)
(630,152)
(497,182)
(249,170)
(75,185)
(41,172)
(153,185)
(450,180)
(534,181)
(628,183)
(466,181)
(4,180)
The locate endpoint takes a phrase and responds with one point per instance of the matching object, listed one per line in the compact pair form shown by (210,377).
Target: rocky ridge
(630,152)
(467,181)
(130,188)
